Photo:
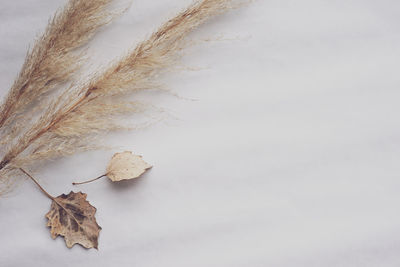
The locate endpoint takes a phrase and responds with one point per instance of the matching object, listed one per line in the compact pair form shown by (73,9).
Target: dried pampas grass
(53,59)
(73,119)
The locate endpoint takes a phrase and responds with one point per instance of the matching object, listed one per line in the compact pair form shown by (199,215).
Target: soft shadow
(132,184)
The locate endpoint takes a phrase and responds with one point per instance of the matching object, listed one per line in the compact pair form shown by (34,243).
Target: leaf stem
(95,179)
(37,183)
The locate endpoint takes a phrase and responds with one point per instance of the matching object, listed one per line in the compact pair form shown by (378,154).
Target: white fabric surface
(288,157)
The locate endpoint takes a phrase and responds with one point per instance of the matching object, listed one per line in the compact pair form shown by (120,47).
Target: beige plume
(73,119)
(52,60)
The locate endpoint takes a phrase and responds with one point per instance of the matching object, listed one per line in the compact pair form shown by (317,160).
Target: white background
(288,157)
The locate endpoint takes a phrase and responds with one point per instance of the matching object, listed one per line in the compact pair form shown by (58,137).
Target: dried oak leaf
(72,216)
(125,166)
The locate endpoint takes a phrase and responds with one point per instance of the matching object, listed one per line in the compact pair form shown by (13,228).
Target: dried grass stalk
(52,60)
(72,120)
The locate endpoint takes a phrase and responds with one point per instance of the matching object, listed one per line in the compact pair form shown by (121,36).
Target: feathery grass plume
(52,60)
(73,119)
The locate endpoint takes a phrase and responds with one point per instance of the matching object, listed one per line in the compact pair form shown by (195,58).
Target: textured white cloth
(288,157)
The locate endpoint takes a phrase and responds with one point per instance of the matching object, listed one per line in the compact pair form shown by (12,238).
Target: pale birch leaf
(125,166)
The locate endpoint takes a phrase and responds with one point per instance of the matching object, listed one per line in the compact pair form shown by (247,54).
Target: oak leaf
(73,217)
(125,166)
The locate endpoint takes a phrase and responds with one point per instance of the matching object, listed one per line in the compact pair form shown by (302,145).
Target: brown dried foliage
(72,217)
